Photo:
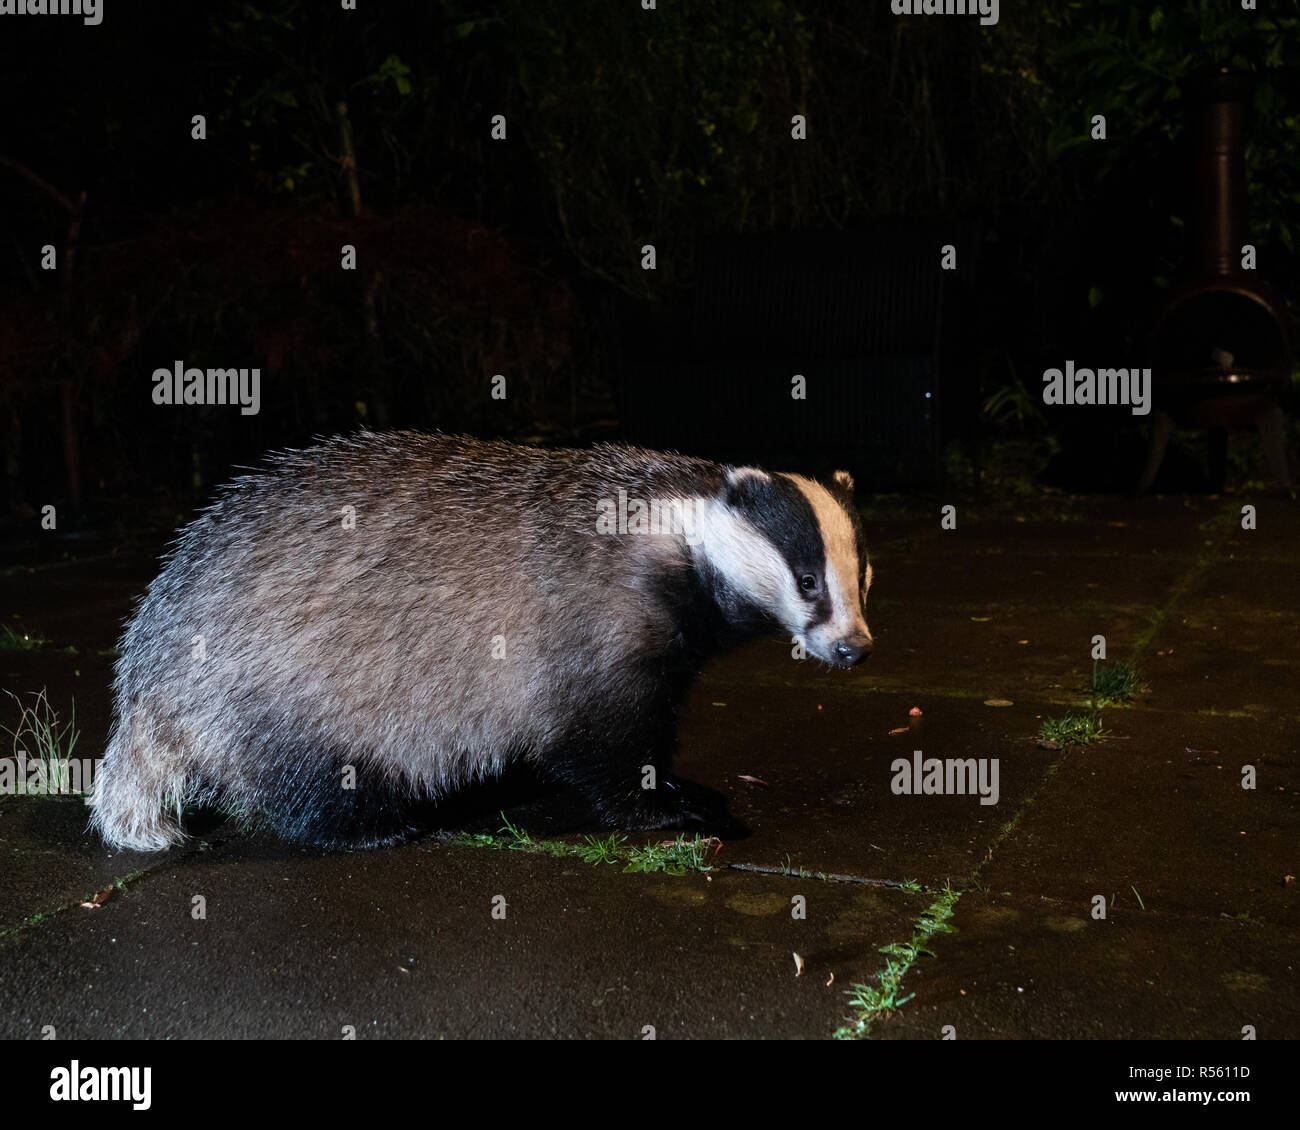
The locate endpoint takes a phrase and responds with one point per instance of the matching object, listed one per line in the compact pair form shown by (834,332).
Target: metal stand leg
(1271,422)
(1162,427)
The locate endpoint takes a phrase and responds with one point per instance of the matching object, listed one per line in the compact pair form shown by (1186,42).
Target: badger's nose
(852,650)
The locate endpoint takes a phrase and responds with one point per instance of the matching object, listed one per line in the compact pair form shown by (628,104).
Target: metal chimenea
(1220,352)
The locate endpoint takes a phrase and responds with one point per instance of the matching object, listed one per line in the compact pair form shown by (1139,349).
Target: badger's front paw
(682,806)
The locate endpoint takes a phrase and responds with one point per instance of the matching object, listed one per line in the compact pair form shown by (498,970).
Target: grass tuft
(873,1002)
(39,735)
(1114,684)
(672,857)
(1073,729)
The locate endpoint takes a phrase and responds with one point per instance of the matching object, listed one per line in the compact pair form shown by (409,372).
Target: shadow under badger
(404,613)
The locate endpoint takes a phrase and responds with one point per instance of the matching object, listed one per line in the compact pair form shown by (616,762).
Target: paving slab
(404,944)
(1203,920)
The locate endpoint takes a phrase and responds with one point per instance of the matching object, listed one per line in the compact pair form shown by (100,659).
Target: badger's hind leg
(141,784)
(327,801)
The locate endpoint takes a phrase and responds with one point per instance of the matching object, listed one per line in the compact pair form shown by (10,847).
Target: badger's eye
(808,583)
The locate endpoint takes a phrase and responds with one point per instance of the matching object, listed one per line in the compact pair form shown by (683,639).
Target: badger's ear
(737,475)
(745,483)
(843,480)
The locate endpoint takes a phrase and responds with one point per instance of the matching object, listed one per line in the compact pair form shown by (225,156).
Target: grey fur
(277,648)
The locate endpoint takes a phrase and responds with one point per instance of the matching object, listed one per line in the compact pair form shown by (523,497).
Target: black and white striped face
(794,548)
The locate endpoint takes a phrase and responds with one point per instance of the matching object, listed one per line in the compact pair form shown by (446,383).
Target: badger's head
(791,549)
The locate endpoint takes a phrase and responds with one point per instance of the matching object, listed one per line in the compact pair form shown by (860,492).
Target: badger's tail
(140,786)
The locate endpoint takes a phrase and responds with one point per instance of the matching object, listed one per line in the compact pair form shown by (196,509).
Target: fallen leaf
(832,980)
(100,897)
(798,965)
(902,730)
(1287,879)
(719,704)
(998,702)
(981,619)
(753,780)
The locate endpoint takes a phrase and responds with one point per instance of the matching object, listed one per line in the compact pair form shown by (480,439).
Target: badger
(371,622)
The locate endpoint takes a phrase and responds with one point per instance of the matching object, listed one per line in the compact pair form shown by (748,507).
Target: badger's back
(382,577)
